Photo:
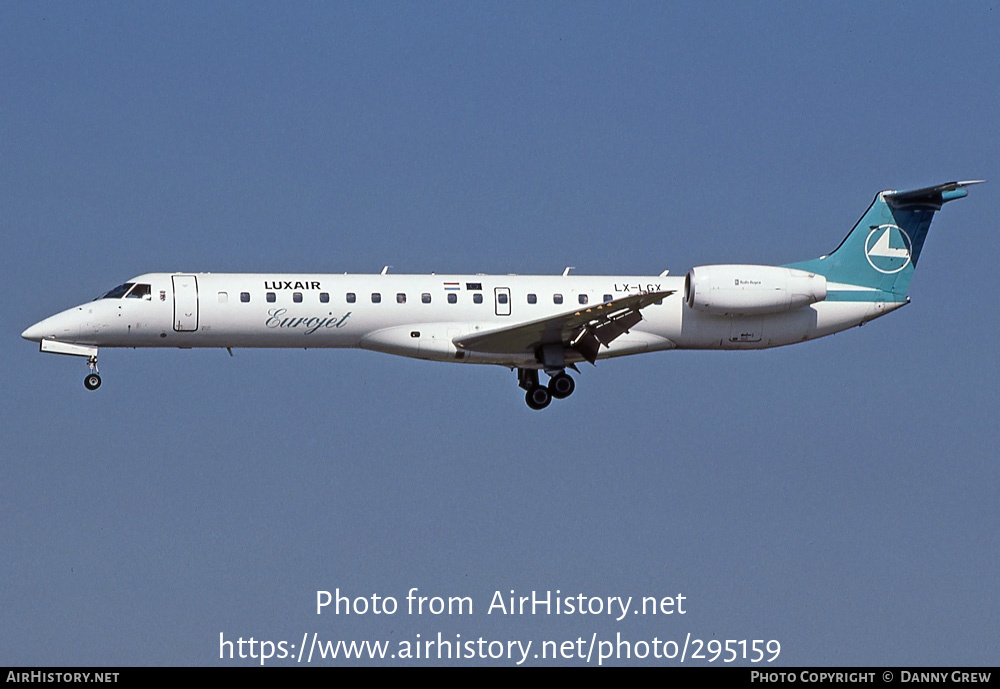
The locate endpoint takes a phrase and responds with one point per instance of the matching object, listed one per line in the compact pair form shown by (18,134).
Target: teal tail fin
(880,253)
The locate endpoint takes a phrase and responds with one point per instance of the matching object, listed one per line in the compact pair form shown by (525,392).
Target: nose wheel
(93,379)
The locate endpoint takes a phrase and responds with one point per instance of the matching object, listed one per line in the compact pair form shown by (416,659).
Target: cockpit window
(140,291)
(118,292)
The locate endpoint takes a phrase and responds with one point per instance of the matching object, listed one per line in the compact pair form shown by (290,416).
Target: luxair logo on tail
(888,249)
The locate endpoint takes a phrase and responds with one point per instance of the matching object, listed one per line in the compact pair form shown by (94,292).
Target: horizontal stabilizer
(929,197)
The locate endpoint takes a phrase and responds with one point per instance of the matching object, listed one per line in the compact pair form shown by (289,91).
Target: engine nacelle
(735,290)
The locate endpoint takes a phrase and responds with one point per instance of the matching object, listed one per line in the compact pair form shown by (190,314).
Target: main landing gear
(93,379)
(538,396)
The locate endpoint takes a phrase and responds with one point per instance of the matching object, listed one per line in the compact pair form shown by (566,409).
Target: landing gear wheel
(561,386)
(538,397)
(92,382)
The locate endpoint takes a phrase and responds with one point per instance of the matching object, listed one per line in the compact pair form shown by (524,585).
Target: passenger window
(502,297)
(140,291)
(245,297)
(351,297)
(376,298)
(297,297)
(532,298)
(607,298)
(478,298)
(400,298)
(583,299)
(452,298)
(270,297)
(324,297)
(223,297)
(425,298)
(557,299)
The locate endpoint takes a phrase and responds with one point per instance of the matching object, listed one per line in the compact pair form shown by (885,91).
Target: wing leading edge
(584,330)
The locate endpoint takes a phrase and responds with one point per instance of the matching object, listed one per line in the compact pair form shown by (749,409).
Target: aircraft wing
(584,329)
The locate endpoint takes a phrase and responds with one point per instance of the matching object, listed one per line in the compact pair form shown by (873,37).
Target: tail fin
(880,253)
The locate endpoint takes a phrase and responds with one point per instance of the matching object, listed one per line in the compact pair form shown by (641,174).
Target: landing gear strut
(93,379)
(539,396)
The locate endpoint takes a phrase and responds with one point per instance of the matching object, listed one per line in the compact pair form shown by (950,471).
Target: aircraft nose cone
(33,333)
(63,326)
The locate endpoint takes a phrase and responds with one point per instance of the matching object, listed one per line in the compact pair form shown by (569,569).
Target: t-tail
(875,262)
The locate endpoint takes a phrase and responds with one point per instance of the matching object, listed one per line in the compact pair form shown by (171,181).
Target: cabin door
(185,303)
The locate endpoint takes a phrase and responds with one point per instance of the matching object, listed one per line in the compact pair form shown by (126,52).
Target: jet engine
(738,290)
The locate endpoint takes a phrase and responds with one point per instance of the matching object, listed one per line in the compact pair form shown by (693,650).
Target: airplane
(528,323)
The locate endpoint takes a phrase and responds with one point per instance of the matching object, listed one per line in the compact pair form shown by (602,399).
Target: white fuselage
(531,323)
(418,316)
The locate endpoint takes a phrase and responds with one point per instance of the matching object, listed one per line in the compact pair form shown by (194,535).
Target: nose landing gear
(93,379)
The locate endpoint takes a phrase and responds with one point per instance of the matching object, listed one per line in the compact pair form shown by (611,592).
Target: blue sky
(839,496)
